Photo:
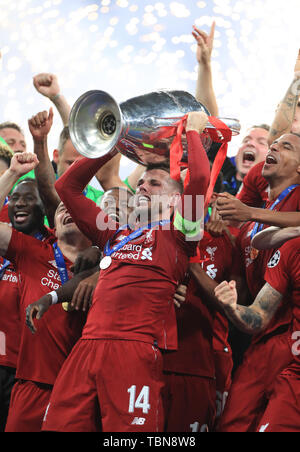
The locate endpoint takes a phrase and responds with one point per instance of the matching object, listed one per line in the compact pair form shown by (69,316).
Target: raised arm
(47,85)
(90,219)
(285,113)
(198,163)
(204,88)
(109,175)
(20,164)
(255,318)
(189,214)
(39,126)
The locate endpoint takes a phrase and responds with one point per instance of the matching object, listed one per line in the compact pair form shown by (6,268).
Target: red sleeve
(253,191)
(199,170)
(4,218)
(280,274)
(18,246)
(90,219)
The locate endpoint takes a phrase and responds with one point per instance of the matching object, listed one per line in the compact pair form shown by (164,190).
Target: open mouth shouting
(67,220)
(21,217)
(249,156)
(142,199)
(271,160)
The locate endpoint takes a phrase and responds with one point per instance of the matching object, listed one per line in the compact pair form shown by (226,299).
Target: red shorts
(109,386)
(283,410)
(27,406)
(189,403)
(252,384)
(223,366)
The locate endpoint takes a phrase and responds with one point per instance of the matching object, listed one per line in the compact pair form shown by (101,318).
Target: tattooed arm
(286,110)
(252,319)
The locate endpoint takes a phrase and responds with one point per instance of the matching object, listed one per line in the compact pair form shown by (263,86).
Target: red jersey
(41,355)
(134,296)
(4,218)
(133,299)
(255,263)
(200,329)
(254,189)
(283,274)
(9,310)
(10,325)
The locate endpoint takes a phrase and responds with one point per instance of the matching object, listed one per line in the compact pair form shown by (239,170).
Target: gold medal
(67,307)
(253,253)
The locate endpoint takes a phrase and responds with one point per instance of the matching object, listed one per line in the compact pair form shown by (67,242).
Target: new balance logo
(138,421)
(46,412)
(263,428)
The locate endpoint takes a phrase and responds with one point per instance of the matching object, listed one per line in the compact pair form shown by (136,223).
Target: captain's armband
(193,230)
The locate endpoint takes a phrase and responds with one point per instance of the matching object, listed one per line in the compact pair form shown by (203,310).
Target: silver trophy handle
(98,124)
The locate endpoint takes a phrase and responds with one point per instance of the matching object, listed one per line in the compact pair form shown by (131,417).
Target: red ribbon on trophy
(219,134)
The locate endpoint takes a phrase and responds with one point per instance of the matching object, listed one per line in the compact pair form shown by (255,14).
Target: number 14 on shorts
(139,402)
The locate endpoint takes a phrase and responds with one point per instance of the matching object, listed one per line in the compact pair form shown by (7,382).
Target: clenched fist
(22,163)
(196,120)
(47,85)
(40,124)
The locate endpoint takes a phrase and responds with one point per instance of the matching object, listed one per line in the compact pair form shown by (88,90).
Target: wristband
(55,97)
(54,296)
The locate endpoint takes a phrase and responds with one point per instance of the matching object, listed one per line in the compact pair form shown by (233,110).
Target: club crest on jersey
(211,252)
(274,260)
(149,237)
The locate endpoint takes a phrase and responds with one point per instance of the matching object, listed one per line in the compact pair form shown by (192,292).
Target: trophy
(141,128)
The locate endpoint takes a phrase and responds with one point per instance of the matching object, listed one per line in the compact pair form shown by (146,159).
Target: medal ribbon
(135,234)
(219,134)
(258,226)
(4,266)
(61,264)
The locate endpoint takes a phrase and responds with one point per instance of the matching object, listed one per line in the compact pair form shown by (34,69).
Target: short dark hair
(11,125)
(26,179)
(63,138)
(261,126)
(165,166)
